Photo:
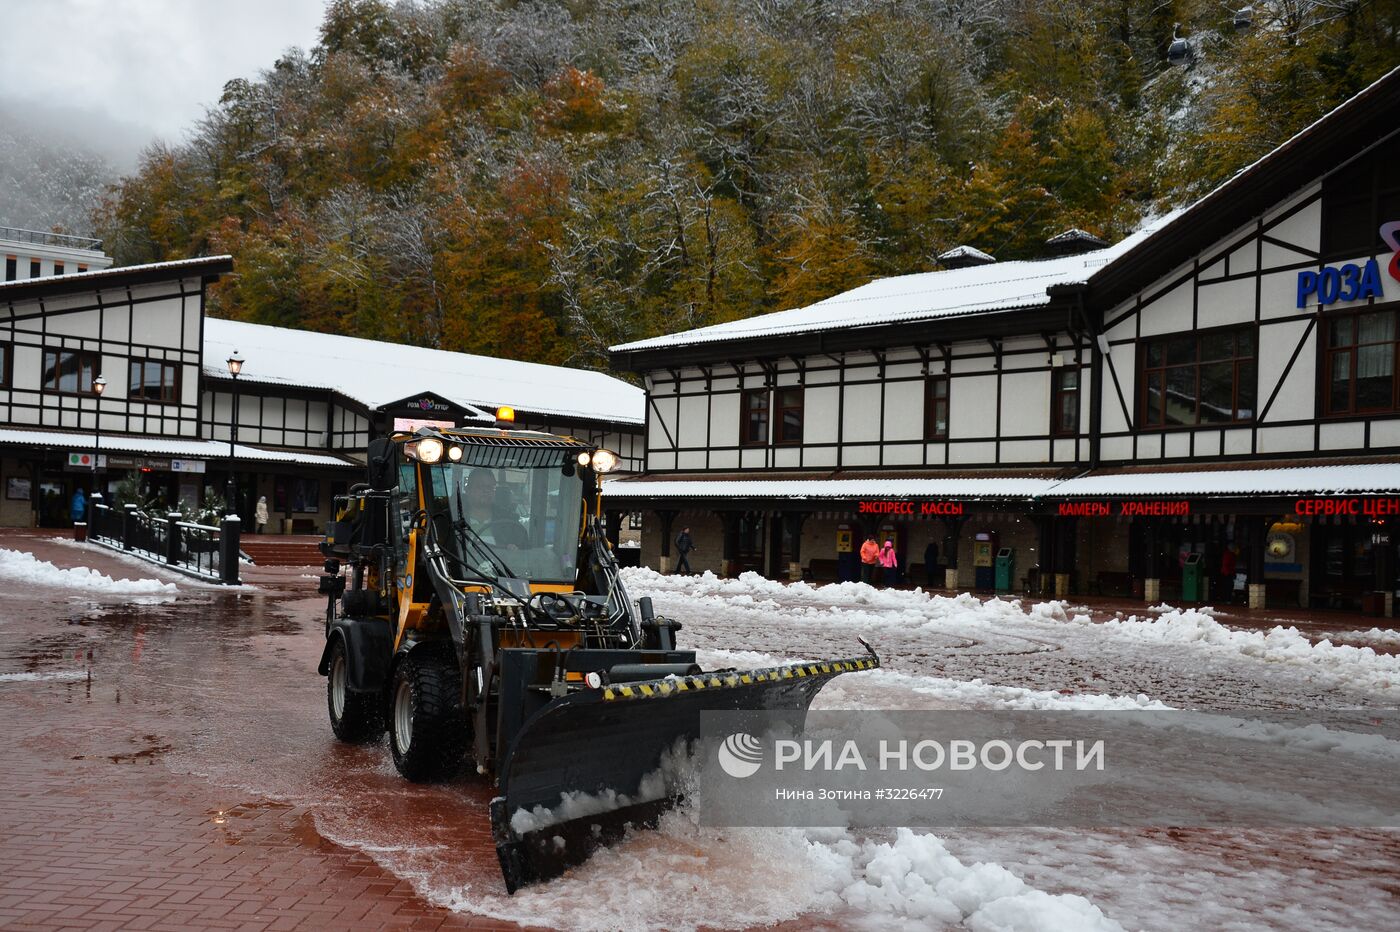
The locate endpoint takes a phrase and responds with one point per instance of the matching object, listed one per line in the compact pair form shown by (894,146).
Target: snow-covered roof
(966,252)
(1074,235)
(1332,479)
(376,373)
(1338,479)
(999,286)
(79,442)
(115,273)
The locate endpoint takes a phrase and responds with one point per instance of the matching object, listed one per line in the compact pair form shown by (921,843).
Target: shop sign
(411,424)
(1350,282)
(912,509)
(1135,508)
(147,463)
(428,403)
(84,460)
(1347,507)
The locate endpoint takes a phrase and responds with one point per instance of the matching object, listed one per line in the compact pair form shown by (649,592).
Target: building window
(153,380)
(936,409)
(1357,199)
(58,268)
(634,521)
(1198,378)
(1360,374)
(33,268)
(1064,400)
(11,268)
(789,421)
(69,370)
(5,353)
(754,408)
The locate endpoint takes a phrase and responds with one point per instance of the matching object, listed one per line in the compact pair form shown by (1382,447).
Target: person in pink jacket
(889,564)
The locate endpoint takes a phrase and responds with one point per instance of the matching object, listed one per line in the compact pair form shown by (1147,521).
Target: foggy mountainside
(538,180)
(47,181)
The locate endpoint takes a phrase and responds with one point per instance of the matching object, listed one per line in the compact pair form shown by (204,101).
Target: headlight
(425,450)
(605,461)
(454,453)
(584,459)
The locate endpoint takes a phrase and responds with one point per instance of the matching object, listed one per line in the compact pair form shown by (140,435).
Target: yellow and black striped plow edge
(731,679)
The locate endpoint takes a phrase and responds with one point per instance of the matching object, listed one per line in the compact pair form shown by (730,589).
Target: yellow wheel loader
(483,619)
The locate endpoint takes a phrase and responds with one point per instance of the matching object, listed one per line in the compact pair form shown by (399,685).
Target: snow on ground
(1185,658)
(961,652)
(17,567)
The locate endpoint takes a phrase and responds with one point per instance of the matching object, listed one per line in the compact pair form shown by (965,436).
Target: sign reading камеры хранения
(1074,769)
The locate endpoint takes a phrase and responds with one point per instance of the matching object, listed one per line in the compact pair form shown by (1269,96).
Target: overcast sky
(119,73)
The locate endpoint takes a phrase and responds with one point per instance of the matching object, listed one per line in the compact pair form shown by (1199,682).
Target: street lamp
(99,385)
(235,366)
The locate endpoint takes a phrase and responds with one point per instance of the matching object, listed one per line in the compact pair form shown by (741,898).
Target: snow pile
(1384,636)
(686,876)
(27,570)
(915,878)
(1360,665)
(677,769)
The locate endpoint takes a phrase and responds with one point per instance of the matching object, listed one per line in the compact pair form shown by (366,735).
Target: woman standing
(890,563)
(260,513)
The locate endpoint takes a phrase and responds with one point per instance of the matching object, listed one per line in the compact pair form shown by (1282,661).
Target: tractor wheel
(355,717)
(427,728)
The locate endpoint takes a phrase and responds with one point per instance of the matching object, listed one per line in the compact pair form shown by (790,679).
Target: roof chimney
(964,257)
(1072,242)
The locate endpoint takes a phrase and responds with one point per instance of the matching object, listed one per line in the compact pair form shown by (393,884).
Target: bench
(820,571)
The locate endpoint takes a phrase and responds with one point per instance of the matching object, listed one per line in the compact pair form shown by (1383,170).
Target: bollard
(172,537)
(128,526)
(229,531)
(92,504)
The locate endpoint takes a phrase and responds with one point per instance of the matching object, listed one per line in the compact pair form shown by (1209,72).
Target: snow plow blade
(605,741)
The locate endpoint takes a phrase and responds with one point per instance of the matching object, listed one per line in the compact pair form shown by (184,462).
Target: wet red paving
(177,772)
(100,831)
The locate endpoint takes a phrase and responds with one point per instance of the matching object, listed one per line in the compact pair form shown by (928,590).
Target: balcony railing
(40,238)
(200,550)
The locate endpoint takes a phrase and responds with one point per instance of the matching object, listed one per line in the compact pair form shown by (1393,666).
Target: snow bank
(27,570)
(1360,666)
(685,876)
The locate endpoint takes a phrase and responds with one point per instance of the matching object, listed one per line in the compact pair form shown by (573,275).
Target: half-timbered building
(115,371)
(1210,404)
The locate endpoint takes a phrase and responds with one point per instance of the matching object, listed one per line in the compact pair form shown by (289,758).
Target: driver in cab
(493,520)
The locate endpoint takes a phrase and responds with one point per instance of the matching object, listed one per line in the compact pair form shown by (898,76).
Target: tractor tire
(355,717)
(427,727)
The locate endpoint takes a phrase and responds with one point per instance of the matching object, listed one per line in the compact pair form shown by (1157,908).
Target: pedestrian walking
(889,564)
(77,508)
(869,559)
(260,514)
(931,564)
(685,545)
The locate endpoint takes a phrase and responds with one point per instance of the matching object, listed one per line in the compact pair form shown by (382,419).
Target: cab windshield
(508,512)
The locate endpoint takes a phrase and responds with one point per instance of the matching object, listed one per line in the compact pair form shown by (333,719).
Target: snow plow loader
(483,621)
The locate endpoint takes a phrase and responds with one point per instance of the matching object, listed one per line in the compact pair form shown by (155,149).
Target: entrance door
(1343,565)
(749,552)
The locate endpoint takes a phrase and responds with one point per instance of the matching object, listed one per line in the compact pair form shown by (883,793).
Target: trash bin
(1192,578)
(80,531)
(1005,569)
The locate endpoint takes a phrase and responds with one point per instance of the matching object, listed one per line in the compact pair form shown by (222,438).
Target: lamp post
(99,385)
(235,366)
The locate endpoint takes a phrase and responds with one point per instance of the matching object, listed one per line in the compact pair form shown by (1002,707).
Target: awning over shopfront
(1317,490)
(202,450)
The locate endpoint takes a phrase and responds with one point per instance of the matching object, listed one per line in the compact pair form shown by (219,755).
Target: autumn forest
(540,180)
